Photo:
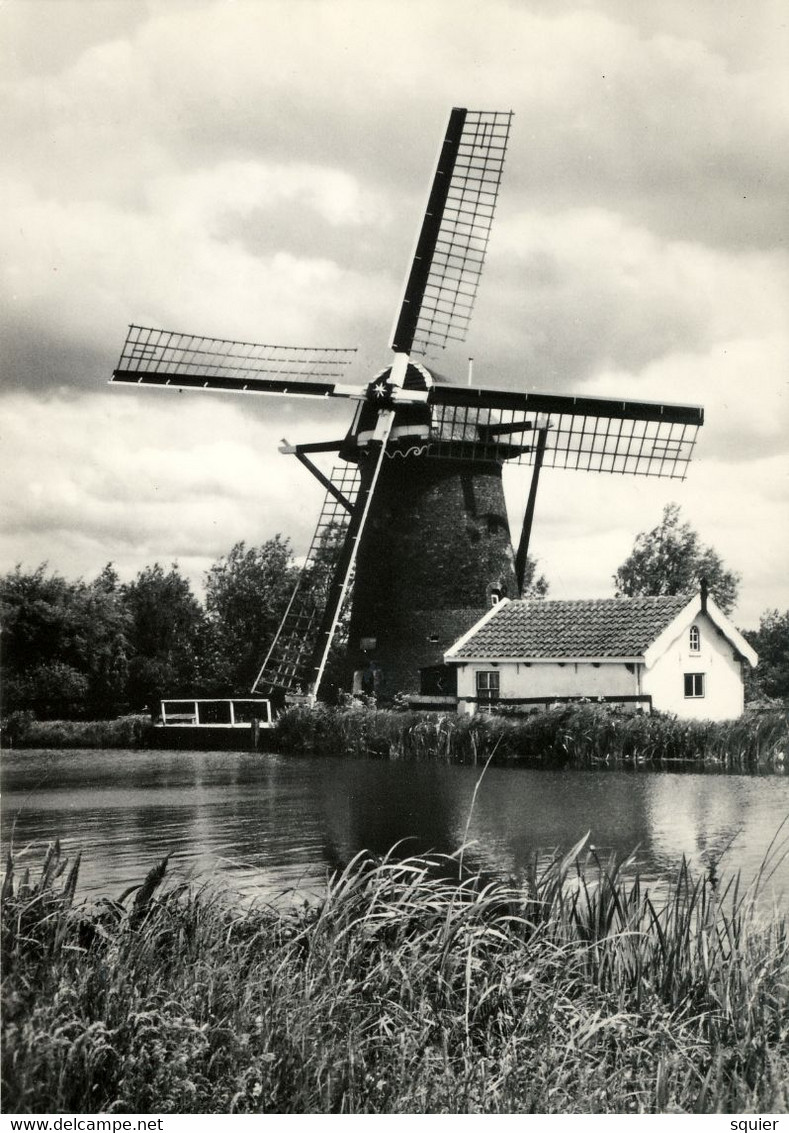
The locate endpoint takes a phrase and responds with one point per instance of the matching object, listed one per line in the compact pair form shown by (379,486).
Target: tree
(534,587)
(770,678)
(670,559)
(107,625)
(168,636)
(64,644)
(247,592)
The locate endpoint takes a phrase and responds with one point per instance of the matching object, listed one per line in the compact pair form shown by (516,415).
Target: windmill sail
(287,664)
(450,252)
(589,434)
(188,361)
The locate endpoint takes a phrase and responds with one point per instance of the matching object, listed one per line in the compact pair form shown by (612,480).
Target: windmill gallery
(413,546)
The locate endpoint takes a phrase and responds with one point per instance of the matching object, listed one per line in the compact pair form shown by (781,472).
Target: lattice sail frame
(464,233)
(286,664)
(636,438)
(160,357)
(450,252)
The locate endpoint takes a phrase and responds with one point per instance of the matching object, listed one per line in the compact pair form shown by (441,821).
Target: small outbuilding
(677,654)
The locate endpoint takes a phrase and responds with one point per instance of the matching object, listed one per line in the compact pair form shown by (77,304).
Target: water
(266,825)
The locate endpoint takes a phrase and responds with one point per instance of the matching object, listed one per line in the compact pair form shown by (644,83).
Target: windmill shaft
(345,565)
(316,446)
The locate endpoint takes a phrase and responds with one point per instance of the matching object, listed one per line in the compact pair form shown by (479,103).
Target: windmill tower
(414,520)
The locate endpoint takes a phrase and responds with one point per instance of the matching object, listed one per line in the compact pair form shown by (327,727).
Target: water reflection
(264,824)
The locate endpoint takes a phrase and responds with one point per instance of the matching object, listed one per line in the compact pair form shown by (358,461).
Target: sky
(258,170)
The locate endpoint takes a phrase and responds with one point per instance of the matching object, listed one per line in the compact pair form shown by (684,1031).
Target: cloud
(135,479)
(611,106)
(742,383)
(205,198)
(82,271)
(258,169)
(573,294)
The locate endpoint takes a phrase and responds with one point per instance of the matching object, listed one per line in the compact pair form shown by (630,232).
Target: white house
(675,654)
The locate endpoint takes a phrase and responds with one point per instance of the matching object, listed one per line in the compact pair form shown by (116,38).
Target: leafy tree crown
(670,559)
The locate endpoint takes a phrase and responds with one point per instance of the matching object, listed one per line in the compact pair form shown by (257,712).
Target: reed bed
(582,734)
(23,730)
(411,987)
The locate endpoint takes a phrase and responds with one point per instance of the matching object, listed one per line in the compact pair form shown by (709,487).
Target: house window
(695,639)
(487,688)
(694,685)
(495,597)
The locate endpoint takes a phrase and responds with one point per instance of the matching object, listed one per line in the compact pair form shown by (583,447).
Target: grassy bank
(404,991)
(584,733)
(22,729)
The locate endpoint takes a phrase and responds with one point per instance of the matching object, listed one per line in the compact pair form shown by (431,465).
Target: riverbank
(583,734)
(405,990)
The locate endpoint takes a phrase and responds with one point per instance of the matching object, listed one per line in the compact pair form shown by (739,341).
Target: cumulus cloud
(118,477)
(84,270)
(742,384)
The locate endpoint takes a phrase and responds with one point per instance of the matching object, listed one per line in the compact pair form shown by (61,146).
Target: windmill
(414,519)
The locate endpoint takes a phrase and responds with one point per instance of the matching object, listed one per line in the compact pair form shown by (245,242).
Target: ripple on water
(267,824)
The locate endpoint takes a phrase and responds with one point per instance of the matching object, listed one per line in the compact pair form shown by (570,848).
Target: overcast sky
(256,169)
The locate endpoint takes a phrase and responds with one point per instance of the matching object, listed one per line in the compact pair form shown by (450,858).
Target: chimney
(704,594)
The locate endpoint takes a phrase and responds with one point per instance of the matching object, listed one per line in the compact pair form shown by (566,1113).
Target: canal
(269,826)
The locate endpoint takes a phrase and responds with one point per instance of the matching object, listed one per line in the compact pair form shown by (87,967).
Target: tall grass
(23,730)
(402,991)
(584,733)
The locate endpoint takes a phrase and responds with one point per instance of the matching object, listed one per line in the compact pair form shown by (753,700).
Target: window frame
(695,682)
(694,639)
(491,694)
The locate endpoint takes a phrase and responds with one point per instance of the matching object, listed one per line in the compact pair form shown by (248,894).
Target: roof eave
(718,618)
(686,617)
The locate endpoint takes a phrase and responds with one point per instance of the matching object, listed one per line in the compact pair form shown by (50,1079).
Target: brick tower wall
(436,545)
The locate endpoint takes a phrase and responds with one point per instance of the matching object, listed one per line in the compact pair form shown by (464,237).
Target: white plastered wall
(550,678)
(723,685)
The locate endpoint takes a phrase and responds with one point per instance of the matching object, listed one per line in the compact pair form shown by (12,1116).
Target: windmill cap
(417,376)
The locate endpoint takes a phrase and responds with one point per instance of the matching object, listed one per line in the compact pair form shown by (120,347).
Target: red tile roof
(606,627)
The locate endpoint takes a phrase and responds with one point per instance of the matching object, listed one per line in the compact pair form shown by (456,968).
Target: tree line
(91,650)
(97,649)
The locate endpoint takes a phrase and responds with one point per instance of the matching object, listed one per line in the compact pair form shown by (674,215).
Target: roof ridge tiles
(594,627)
